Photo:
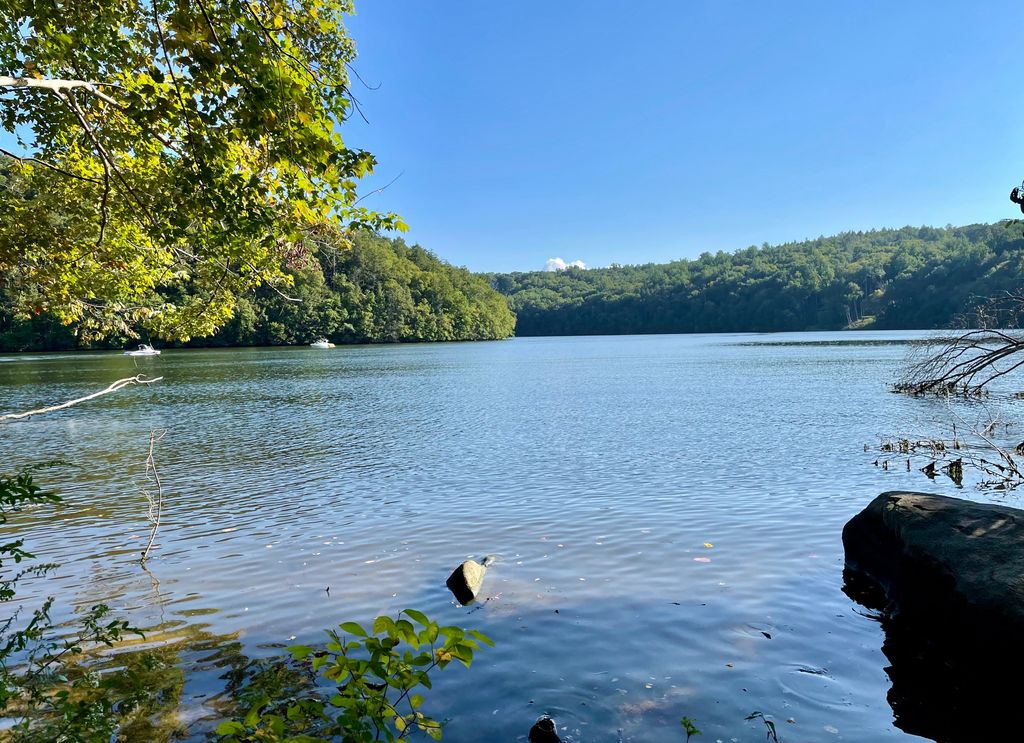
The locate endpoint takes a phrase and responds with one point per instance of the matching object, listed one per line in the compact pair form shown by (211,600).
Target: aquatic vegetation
(772,733)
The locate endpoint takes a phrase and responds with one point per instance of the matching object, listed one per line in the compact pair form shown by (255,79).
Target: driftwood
(964,362)
(119,384)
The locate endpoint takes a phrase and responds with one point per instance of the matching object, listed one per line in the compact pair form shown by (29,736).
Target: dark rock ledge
(933,553)
(946,579)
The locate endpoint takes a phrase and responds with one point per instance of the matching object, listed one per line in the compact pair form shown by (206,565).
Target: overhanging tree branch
(21,159)
(55,86)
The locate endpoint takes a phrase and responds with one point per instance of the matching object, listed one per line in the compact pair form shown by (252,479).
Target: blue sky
(647,131)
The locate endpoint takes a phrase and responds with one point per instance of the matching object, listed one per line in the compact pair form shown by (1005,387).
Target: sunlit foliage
(168,144)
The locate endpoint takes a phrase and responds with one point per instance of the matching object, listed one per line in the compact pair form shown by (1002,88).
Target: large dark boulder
(928,552)
(946,578)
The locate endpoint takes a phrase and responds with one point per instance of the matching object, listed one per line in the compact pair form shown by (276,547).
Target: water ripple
(666,510)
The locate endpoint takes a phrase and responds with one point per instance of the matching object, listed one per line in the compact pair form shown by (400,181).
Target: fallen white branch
(55,86)
(119,384)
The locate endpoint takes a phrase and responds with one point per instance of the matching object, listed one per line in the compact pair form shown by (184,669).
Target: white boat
(144,349)
(322,343)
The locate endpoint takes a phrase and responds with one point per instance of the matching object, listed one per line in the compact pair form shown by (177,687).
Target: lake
(666,512)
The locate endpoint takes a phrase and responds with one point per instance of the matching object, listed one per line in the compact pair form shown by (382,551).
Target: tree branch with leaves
(171,154)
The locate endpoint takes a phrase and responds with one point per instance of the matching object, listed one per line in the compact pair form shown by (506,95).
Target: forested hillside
(899,278)
(376,290)
(382,290)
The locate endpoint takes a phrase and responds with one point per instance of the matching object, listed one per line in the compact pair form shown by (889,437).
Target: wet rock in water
(933,553)
(543,731)
(946,578)
(466,581)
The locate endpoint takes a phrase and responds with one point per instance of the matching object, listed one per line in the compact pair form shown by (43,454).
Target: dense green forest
(382,290)
(895,278)
(376,290)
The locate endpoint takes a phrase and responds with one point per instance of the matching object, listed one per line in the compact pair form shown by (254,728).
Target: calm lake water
(666,512)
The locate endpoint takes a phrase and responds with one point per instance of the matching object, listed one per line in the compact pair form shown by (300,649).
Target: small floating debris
(813,671)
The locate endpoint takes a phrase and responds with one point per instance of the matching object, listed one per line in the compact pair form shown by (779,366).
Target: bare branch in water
(155,496)
(972,446)
(119,384)
(964,363)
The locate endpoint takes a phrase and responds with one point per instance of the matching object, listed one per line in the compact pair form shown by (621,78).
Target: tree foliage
(166,144)
(358,290)
(904,278)
(373,290)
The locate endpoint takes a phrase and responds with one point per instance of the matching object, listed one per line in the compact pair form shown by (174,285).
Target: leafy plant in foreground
(689,728)
(45,691)
(362,685)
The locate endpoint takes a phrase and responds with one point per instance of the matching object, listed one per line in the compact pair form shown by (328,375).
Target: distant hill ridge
(913,277)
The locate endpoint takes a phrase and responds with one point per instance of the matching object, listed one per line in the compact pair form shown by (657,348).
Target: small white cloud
(557,264)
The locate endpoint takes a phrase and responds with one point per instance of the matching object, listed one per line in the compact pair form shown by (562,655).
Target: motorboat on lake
(322,343)
(144,349)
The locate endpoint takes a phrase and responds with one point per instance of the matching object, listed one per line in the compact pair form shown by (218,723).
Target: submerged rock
(466,581)
(936,554)
(543,731)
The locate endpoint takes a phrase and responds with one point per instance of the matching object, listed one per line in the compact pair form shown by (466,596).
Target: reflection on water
(950,682)
(667,511)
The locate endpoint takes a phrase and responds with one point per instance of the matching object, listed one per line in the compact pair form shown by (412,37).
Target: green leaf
(482,637)
(417,616)
(382,624)
(253,715)
(354,628)
(452,633)
(690,728)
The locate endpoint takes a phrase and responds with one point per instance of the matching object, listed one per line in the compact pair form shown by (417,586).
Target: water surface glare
(667,513)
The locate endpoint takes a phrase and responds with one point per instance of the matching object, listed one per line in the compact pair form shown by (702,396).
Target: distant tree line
(894,278)
(368,290)
(373,289)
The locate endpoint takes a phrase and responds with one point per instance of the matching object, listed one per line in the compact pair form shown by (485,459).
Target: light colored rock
(466,581)
(943,554)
